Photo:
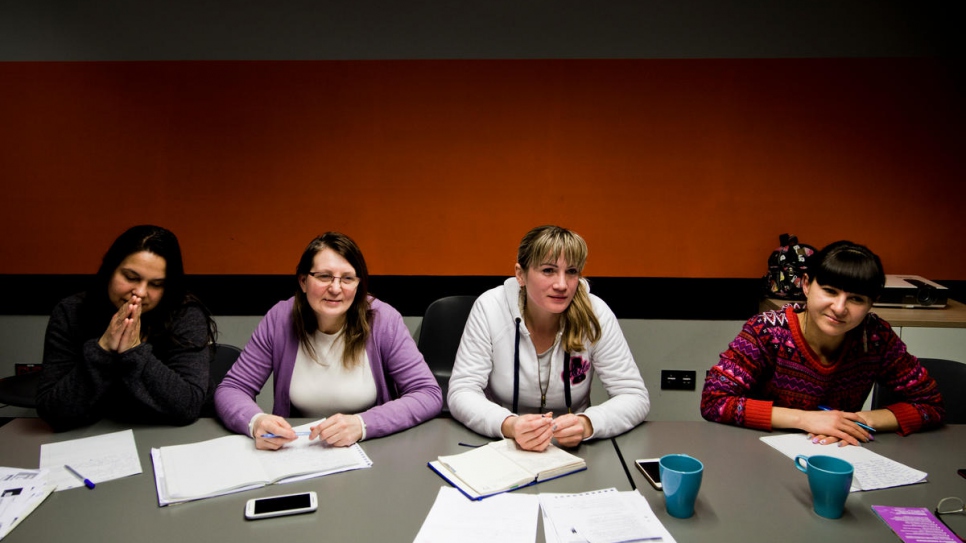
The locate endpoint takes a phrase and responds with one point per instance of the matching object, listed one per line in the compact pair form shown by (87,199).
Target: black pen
(461,444)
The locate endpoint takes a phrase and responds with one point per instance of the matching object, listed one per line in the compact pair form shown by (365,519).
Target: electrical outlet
(678,379)
(21,369)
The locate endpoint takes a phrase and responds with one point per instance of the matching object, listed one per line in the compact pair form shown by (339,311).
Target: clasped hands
(534,432)
(124,331)
(338,430)
(827,427)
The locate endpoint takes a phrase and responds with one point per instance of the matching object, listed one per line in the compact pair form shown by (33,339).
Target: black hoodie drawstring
(516,369)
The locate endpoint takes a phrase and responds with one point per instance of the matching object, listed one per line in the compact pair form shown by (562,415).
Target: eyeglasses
(950,506)
(326,279)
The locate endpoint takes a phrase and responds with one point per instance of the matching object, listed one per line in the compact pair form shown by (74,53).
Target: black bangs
(849,267)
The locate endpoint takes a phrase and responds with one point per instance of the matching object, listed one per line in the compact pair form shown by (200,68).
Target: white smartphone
(277,506)
(651,468)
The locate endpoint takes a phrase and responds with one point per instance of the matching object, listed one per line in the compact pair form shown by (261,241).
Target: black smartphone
(651,469)
(962,473)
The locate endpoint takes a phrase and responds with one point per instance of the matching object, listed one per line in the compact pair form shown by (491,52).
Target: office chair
(20,390)
(439,336)
(950,376)
(225,356)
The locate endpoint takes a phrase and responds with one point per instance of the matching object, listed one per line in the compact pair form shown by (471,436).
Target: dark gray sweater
(82,383)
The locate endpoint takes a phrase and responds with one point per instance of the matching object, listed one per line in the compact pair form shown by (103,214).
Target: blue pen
(87,482)
(867,427)
(269,436)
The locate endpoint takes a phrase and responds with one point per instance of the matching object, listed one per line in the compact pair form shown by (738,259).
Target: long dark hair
(156,324)
(357,326)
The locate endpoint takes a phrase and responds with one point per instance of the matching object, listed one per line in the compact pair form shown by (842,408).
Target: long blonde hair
(550,242)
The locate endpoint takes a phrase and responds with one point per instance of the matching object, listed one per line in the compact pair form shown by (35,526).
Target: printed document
(600,516)
(21,491)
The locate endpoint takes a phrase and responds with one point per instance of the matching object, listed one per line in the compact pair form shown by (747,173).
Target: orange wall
(669,168)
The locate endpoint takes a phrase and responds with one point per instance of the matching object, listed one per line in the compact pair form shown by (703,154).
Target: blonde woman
(530,350)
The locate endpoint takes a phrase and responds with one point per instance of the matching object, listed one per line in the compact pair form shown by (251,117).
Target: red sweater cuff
(908,417)
(758,414)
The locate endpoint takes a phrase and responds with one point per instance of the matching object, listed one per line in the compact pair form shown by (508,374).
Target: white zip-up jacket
(481,386)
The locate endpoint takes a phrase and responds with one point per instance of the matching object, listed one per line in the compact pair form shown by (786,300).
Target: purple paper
(915,524)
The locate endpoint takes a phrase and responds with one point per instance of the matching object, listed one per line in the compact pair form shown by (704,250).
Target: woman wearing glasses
(334,352)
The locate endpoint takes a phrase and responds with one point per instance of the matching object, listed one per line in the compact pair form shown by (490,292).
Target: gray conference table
(385,503)
(752,492)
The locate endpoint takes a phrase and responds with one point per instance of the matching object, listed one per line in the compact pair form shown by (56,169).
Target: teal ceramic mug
(681,479)
(830,479)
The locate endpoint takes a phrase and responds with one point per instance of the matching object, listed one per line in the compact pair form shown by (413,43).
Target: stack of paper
(21,491)
(872,470)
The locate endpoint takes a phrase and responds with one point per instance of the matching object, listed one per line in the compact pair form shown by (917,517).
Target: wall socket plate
(21,369)
(678,379)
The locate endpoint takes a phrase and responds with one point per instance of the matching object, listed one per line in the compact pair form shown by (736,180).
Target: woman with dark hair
(811,367)
(530,350)
(334,352)
(135,346)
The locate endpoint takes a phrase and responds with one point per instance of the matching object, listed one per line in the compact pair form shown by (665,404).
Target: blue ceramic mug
(681,478)
(830,479)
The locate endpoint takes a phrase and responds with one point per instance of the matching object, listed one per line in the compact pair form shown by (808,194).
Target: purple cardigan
(406,391)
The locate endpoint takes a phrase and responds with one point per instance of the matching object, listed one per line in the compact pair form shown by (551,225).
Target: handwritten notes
(100,458)
(872,470)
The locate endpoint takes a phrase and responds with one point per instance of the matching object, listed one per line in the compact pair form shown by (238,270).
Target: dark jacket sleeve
(82,383)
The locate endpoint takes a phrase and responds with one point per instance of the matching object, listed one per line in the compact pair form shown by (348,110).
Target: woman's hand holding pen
(273,425)
(570,430)
(830,426)
(338,430)
(531,432)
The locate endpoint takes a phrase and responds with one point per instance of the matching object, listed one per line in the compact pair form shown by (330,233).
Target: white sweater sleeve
(628,402)
(471,374)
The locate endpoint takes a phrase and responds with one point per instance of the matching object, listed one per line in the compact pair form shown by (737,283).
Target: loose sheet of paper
(600,516)
(507,518)
(99,458)
(872,470)
(21,491)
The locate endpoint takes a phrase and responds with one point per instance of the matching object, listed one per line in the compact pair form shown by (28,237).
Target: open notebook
(502,466)
(232,464)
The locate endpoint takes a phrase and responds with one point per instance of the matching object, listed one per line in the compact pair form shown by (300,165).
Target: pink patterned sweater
(769,364)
